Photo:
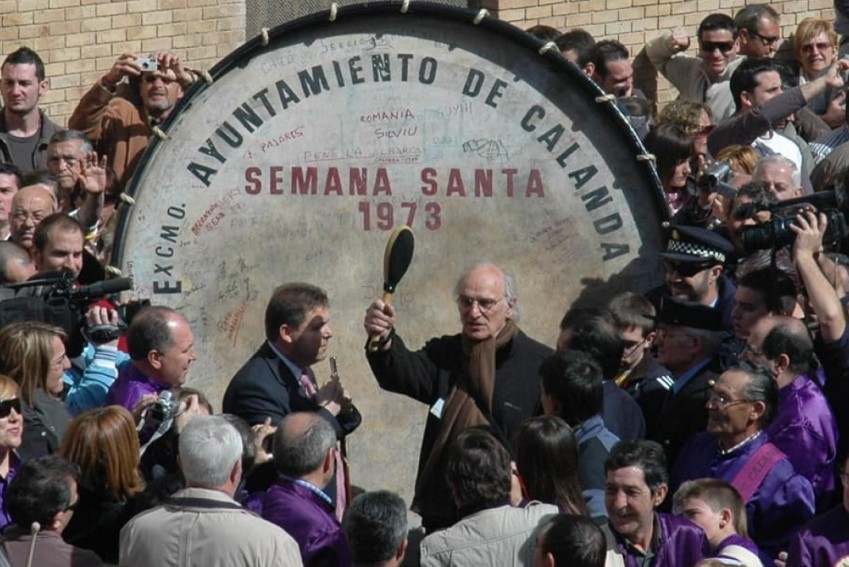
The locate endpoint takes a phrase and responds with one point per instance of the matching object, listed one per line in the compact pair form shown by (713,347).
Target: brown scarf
(460,413)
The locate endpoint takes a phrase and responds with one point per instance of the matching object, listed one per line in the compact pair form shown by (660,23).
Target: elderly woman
(104,444)
(34,357)
(815,44)
(11,428)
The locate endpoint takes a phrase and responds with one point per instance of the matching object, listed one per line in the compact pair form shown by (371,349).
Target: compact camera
(148,64)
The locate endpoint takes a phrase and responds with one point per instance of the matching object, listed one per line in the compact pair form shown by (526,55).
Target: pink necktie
(309,388)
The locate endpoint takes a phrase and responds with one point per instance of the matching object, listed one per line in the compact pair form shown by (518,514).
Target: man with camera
(120,110)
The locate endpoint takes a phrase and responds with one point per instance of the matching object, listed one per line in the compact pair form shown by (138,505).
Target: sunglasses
(704,130)
(711,46)
(684,269)
(150,79)
(820,46)
(6,407)
(765,39)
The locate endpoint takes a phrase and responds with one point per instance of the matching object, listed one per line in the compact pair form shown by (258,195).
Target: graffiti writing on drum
(216,212)
(232,322)
(490,150)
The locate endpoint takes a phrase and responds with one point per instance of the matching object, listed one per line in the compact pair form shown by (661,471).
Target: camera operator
(92,373)
(832,343)
(58,244)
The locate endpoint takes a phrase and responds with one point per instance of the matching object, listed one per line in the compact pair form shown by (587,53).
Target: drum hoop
(519,37)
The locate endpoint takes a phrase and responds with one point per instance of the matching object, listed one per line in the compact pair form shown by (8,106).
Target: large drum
(313,142)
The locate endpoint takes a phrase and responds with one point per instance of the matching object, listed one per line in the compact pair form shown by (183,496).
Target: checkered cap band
(694,249)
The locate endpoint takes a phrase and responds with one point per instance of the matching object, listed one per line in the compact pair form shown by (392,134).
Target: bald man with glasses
(759,31)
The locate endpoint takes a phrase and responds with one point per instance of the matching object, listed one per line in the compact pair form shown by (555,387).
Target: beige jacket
(185,536)
(497,537)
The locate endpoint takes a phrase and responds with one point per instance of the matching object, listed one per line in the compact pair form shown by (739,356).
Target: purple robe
(783,501)
(805,430)
(739,541)
(130,386)
(310,520)
(14,465)
(676,542)
(822,541)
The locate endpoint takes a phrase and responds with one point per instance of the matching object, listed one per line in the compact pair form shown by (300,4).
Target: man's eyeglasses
(721,401)
(70,160)
(6,407)
(72,507)
(766,40)
(711,46)
(485,305)
(685,270)
(819,46)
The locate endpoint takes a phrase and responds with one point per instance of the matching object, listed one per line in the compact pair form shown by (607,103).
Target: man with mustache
(119,112)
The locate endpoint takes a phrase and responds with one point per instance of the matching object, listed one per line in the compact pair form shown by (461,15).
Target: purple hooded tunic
(783,501)
(822,541)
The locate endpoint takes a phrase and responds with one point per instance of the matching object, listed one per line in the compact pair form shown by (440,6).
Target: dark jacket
(429,375)
(39,155)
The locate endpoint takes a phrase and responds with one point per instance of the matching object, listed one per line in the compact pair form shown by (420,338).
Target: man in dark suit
(278,380)
(688,339)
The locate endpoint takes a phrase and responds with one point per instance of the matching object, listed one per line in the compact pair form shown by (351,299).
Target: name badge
(436,409)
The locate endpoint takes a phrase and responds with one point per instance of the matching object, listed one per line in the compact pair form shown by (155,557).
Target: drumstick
(396,259)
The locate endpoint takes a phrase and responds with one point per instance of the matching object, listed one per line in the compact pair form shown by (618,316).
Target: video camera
(777,233)
(55,299)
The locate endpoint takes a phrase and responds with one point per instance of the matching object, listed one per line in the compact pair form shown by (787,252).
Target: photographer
(832,343)
(119,118)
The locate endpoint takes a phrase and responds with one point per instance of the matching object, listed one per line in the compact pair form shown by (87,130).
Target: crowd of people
(698,423)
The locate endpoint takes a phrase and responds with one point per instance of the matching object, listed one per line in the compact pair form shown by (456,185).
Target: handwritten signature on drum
(489,149)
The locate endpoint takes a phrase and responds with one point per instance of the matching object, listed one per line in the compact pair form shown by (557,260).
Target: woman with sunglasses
(34,357)
(815,45)
(547,464)
(104,444)
(672,148)
(11,429)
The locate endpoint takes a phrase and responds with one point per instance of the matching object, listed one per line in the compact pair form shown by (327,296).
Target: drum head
(302,155)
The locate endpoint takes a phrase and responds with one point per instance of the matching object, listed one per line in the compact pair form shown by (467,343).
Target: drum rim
(517,35)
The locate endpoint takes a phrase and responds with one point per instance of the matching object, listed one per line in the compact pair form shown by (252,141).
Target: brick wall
(634,22)
(80,39)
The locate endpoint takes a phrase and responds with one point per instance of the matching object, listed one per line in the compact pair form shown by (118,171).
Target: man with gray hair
(80,173)
(486,375)
(759,31)
(305,457)
(736,448)
(688,339)
(780,175)
(376,528)
(202,525)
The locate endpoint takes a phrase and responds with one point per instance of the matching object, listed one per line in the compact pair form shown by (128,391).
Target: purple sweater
(310,520)
(130,386)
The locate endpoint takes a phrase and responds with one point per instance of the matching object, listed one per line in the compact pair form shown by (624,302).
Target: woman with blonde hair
(815,44)
(104,444)
(34,357)
(11,429)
